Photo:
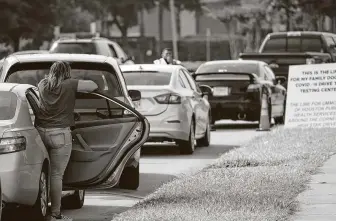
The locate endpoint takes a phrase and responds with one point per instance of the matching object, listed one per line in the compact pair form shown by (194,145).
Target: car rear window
(103,76)
(147,78)
(294,44)
(216,77)
(8,103)
(229,67)
(74,48)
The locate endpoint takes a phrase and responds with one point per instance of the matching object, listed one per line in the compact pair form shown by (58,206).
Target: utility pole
(174,30)
(160,27)
(208,44)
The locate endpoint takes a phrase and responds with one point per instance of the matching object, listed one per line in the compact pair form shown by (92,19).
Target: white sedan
(176,107)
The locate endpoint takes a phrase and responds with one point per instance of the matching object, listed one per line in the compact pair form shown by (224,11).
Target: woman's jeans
(59,143)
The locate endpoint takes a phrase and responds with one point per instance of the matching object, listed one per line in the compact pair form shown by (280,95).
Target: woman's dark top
(57,106)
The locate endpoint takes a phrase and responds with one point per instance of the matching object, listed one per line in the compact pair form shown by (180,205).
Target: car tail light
(12,144)
(168,99)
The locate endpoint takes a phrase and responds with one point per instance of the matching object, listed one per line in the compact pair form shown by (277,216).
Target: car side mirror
(135,95)
(206,90)
(280,80)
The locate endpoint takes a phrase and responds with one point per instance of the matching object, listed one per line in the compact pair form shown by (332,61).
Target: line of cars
(134,104)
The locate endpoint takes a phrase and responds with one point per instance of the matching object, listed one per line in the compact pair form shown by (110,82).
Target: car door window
(330,41)
(191,81)
(113,51)
(119,51)
(184,79)
(33,103)
(269,74)
(181,82)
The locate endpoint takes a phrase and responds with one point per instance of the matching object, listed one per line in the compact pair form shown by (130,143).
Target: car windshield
(8,103)
(147,78)
(106,80)
(74,48)
(229,68)
(294,44)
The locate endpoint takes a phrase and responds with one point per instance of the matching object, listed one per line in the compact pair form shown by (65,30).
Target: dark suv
(95,45)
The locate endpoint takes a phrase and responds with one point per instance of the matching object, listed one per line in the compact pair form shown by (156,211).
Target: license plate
(137,104)
(220,91)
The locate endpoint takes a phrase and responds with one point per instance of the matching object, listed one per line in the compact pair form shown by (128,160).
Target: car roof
(150,67)
(31,52)
(23,58)
(18,89)
(81,40)
(233,62)
(302,33)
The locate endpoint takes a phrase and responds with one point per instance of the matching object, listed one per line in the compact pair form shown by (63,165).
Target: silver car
(30,69)
(176,107)
(107,136)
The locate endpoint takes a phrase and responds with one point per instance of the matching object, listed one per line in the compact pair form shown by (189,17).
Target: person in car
(167,58)
(53,121)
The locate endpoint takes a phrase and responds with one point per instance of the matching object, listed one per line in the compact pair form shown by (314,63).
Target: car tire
(74,201)
(188,147)
(206,139)
(212,124)
(129,178)
(280,120)
(41,205)
(0,201)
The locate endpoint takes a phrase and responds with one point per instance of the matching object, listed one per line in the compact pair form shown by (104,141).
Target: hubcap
(43,194)
(81,194)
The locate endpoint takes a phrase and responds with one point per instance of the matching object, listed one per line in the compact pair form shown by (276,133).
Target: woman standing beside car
(53,121)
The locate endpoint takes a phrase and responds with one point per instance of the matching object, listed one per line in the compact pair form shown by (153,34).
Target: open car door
(107,133)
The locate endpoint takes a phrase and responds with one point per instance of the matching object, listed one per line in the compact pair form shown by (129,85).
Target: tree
(124,13)
(20,19)
(72,18)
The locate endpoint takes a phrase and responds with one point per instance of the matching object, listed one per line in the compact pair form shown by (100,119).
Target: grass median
(258,181)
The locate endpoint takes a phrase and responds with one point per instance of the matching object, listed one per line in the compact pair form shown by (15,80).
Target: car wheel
(130,178)
(41,205)
(205,140)
(74,201)
(188,147)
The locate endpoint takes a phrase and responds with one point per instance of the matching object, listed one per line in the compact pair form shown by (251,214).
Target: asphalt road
(160,164)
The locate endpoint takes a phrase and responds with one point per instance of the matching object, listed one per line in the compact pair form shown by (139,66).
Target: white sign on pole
(311,96)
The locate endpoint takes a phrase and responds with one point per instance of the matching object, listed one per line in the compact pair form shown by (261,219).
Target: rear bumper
(173,124)
(224,109)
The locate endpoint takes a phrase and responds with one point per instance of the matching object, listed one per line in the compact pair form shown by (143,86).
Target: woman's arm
(86,86)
